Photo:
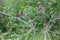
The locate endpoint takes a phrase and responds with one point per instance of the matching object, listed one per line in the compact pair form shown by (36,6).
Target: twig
(33,20)
(51,21)
(47,26)
(56,19)
(14,17)
(56,32)
(29,32)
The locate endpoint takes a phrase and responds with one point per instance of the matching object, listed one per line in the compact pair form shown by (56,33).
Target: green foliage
(17,28)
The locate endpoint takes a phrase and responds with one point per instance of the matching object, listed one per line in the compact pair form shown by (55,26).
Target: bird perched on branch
(41,9)
(20,14)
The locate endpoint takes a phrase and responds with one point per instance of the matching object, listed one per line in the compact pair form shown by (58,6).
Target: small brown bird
(41,8)
(20,14)
(27,16)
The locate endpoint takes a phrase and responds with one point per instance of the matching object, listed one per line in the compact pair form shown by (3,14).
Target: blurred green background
(13,27)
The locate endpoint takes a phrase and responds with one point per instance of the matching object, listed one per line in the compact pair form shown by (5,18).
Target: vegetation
(30,20)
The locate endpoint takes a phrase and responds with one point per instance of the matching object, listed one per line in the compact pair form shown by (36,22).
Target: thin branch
(29,32)
(48,24)
(14,17)
(51,21)
(44,18)
(33,20)
(56,19)
(56,32)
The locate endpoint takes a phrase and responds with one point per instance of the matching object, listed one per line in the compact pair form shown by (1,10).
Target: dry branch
(14,17)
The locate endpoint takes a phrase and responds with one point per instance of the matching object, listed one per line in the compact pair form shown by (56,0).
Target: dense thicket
(30,20)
